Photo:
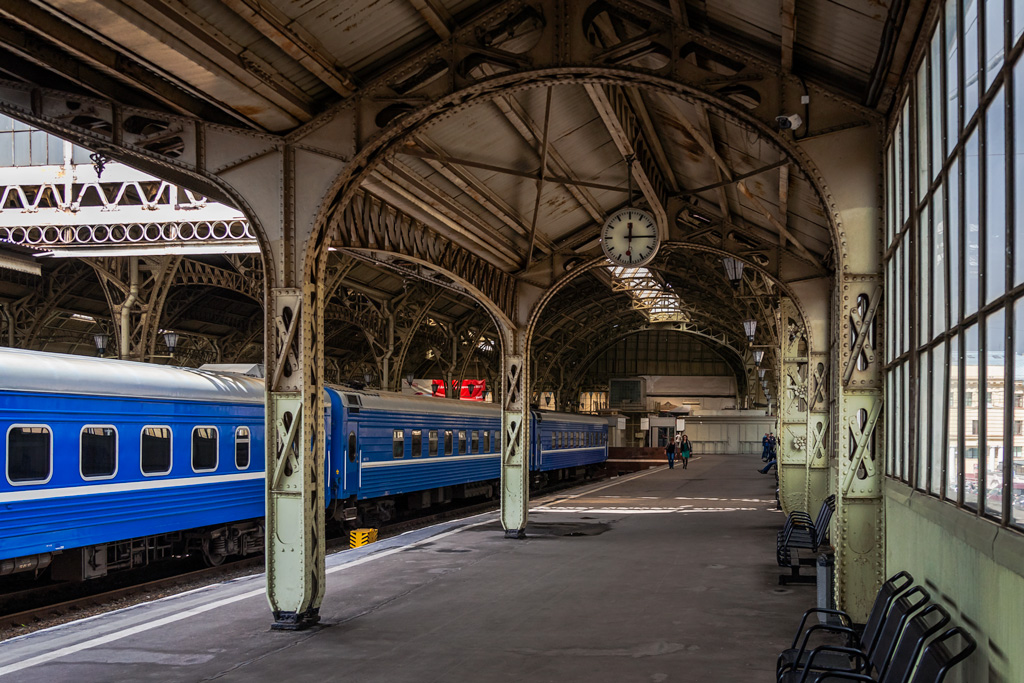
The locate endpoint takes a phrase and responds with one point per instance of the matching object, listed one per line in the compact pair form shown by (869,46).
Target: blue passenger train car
(100,451)
(112,464)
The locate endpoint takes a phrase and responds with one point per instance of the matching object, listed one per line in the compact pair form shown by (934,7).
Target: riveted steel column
(803,471)
(860,465)
(515,441)
(793,464)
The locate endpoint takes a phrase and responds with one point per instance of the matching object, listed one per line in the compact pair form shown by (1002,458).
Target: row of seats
(801,533)
(905,640)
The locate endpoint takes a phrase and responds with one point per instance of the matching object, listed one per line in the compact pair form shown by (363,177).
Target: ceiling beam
(530,132)
(436,15)
(298,43)
(788,12)
(727,174)
(621,122)
(475,188)
(105,72)
(437,155)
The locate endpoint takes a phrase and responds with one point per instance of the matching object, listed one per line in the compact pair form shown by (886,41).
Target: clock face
(630,237)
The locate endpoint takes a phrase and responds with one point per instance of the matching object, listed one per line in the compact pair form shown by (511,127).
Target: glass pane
(995,199)
(993,39)
(889,180)
(417,443)
(21,148)
(1018,19)
(1017,511)
(204,448)
(899,177)
(904,448)
(922,122)
(907,293)
(905,174)
(972,415)
(953,421)
(28,454)
(952,78)
(970,58)
(242,448)
(397,443)
(953,186)
(995,415)
(936,106)
(39,148)
(925,257)
(920,467)
(55,151)
(156,450)
(890,421)
(938,290)
(971,205)
(6,149)
(890,312)
(1018,171)
(938,409)
(98,452)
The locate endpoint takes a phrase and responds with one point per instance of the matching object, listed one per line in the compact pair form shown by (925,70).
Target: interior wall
(970,565)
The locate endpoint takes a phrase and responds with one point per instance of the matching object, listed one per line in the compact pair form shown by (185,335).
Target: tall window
(954,263)
(242,448)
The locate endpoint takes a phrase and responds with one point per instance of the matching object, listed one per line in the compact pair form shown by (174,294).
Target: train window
(487,441)
(351,446)
(242,448)
(463,444)
(447,442)
(417,443)
(29,454)
(432,442)
(156,450)
(98,452)
(475,444)
(204,449)
(497,441)
(398,443)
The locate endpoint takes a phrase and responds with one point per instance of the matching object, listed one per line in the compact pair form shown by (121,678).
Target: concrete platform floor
(660,576)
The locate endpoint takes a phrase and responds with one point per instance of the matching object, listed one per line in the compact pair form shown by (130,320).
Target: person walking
(685,448)
(670,451)
(764,447)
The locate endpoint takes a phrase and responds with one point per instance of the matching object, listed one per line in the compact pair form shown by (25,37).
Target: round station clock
(629,237)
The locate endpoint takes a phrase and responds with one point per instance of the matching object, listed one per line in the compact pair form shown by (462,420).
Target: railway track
(33,609)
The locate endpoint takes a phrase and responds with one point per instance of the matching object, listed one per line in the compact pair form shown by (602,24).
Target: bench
(893,648)
(800,533)
(864,639)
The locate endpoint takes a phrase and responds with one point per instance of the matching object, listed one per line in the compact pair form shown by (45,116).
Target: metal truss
(72,210)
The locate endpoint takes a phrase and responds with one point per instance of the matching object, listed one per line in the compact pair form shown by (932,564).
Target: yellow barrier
(360,537)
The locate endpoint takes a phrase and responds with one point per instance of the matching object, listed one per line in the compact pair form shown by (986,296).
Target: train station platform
(661,575)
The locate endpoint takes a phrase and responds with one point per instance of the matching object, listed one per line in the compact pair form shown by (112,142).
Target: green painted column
(515,441)
(295,438)
(858,472)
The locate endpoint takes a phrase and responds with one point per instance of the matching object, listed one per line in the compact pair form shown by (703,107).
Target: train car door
(353,473)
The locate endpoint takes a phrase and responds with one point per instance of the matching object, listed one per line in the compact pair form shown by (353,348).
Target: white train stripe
(427,460)
(146,485)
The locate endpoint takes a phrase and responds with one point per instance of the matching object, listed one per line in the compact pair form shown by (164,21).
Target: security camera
(789,122)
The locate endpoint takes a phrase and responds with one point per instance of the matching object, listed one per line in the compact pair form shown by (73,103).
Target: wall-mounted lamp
(749,327)
(101,340)
(171,341)
(409,377)
(758,356)
(733,270)
(760,373)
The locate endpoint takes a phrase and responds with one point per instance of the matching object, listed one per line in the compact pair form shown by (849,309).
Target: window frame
(248,442)
(397,444)
(170,463)
(192,449)
(7,450)
(117,459)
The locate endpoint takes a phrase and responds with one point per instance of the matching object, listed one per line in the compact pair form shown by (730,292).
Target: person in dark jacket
(685,448)
(670,451)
